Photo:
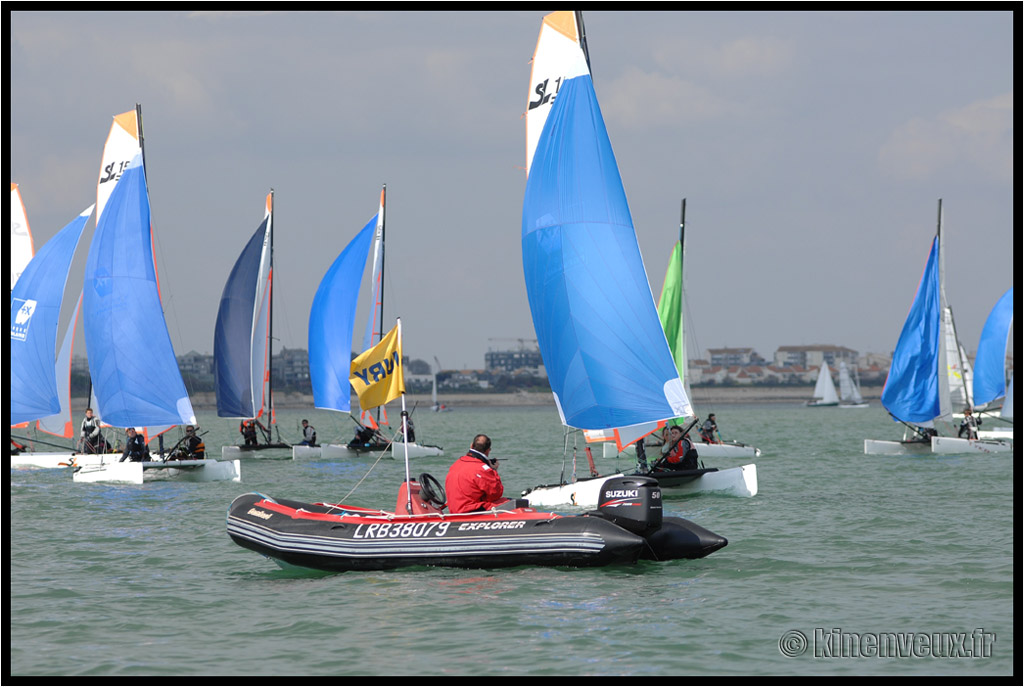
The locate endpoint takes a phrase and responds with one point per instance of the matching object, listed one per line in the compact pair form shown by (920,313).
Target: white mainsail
(560,55)
(21,249)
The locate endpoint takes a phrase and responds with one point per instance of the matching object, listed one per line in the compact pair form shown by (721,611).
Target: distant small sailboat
(824,390)
(849,389)
(242,338)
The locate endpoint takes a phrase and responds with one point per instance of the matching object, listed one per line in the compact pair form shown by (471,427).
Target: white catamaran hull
(233,452)
(337,451)
(415,450)
(46,461)
(881,447)
(328,451)
(949,445)
(207,470)
(740,481)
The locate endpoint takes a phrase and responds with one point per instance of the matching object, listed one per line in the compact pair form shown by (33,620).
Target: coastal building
(525,357)
(730,357)
(814,356)
(291,367)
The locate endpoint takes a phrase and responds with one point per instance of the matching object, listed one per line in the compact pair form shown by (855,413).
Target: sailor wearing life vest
(473,483)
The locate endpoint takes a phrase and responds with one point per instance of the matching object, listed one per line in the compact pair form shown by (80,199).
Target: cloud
(690,80)
(638,99)
(975,138)
(741,58)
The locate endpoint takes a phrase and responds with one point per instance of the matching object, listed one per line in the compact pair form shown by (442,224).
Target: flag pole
(405,434)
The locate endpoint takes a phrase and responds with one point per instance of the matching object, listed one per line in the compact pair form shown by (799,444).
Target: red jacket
(472,485)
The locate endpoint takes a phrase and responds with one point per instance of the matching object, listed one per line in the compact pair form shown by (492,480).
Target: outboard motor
(633,503)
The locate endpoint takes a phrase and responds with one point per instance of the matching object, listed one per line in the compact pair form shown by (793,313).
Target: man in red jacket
(473,483)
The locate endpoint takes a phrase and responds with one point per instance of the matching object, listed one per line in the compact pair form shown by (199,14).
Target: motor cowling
(633,503)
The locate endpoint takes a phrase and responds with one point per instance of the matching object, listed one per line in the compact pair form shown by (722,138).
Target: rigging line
(279,310)
(691,333)
(170,305)
(368,471)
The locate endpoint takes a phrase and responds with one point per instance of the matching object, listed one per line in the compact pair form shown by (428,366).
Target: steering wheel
(431,490)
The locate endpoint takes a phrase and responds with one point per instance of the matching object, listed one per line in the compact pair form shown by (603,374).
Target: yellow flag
(376,374)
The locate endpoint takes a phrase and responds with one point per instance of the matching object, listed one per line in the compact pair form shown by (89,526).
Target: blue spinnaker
(134,372)
(239,387)
(990,362)
(35,311)
(911,390)
(597,326)
(331,324)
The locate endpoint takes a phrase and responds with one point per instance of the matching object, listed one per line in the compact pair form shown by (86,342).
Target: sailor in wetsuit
(135,448)
(473,483)
(92,440)
(191,447)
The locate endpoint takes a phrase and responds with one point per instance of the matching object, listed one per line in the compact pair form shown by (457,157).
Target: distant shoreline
(701,395)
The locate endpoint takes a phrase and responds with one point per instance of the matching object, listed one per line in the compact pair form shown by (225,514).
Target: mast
(682,298)
(945,401)
(583,37)
(383,228)
(270,321)
(142,145)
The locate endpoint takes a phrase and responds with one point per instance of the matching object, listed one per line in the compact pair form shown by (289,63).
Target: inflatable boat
(627,526)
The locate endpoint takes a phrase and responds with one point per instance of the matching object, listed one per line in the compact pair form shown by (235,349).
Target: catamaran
(135,376)
(929,372)
(332,323)
(242,339)
(603,344)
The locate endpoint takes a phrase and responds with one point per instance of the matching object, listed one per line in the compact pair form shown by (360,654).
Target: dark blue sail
(240,336)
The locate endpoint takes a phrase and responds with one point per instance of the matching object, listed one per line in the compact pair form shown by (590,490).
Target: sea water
(844,564)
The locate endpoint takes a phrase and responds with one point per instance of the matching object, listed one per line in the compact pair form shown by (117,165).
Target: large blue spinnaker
(990,362)
(131,360)
(911,392)
(597,326)
(35,311)
(331,323)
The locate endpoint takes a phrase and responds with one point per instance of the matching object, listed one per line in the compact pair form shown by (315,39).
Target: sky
(812,149)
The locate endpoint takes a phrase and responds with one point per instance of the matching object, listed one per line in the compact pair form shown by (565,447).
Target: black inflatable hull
(337,539)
